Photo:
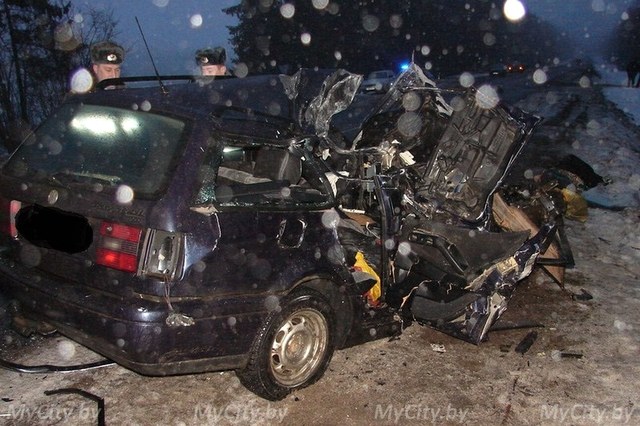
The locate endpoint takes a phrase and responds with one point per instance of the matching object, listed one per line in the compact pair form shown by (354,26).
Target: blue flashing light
(404,66)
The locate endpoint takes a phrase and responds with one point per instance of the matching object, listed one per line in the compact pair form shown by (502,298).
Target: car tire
(293,348)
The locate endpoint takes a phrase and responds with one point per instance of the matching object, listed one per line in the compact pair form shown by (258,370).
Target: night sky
(172,29)
(588,22)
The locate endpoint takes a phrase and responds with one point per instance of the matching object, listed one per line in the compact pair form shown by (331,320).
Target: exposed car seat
(277,164)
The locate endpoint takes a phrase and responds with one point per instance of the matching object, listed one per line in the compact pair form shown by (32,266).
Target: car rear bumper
(133,331)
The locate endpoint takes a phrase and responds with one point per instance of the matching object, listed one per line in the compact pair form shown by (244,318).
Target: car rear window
(90,144)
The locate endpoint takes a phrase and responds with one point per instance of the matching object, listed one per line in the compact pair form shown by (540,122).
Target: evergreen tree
(29,59)
(363,35)
(40,44)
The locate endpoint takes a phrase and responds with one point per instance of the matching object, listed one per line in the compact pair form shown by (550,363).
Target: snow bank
(615,88)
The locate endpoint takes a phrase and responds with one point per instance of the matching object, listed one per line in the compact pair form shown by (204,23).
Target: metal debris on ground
(583,295)
(502,325)
(88,395)
(557,355)
(526,343)
(437,347)
(46,368)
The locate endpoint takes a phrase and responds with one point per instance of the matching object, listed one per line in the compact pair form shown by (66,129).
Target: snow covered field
(606,136)
(626,98)
(612,152)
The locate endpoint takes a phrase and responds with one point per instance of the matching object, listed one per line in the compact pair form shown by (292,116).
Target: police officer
(212,61)
(106,58)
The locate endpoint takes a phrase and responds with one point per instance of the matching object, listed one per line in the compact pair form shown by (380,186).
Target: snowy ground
(621,156)
(406,381)
(626,98)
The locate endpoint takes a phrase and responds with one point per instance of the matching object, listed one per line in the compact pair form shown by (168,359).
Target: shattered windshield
(85,145)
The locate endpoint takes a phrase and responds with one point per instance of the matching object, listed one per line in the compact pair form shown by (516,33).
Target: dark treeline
(450,35)
(31,64)
(40,43)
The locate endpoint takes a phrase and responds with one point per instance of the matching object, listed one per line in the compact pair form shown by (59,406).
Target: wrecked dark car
(258,224)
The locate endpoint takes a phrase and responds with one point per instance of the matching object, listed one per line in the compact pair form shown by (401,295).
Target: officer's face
(104,71)
(213,69)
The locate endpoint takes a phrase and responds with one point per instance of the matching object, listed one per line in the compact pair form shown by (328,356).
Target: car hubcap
(298,347)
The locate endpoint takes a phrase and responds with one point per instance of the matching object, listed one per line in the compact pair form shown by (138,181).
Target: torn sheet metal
(511,218)
(458,277)
(336,95)
(472,157)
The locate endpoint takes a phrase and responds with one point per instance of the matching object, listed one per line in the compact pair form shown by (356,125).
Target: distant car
(378,81)
(498,71)
(516,67)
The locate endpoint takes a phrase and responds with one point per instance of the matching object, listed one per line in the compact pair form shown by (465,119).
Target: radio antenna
(162,87)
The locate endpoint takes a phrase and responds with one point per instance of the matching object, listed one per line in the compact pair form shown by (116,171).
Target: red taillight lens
(118,246)
(8,211)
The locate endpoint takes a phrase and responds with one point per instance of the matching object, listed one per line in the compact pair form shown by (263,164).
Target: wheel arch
(341,304)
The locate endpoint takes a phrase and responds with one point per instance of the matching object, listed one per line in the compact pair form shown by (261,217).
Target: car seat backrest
(278,164)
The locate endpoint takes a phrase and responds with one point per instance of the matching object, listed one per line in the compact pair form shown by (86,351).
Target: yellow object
(577,208)
(376,291)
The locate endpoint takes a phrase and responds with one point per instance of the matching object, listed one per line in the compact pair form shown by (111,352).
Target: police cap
(208,56)
(107,52)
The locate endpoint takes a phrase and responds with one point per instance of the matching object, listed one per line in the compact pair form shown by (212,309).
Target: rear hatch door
(78,191)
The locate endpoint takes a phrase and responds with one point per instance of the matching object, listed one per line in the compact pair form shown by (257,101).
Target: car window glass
(89,145)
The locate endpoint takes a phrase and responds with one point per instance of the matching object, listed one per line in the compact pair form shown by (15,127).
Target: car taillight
(163,254)
(8,211)
(161,251)
(118,246)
